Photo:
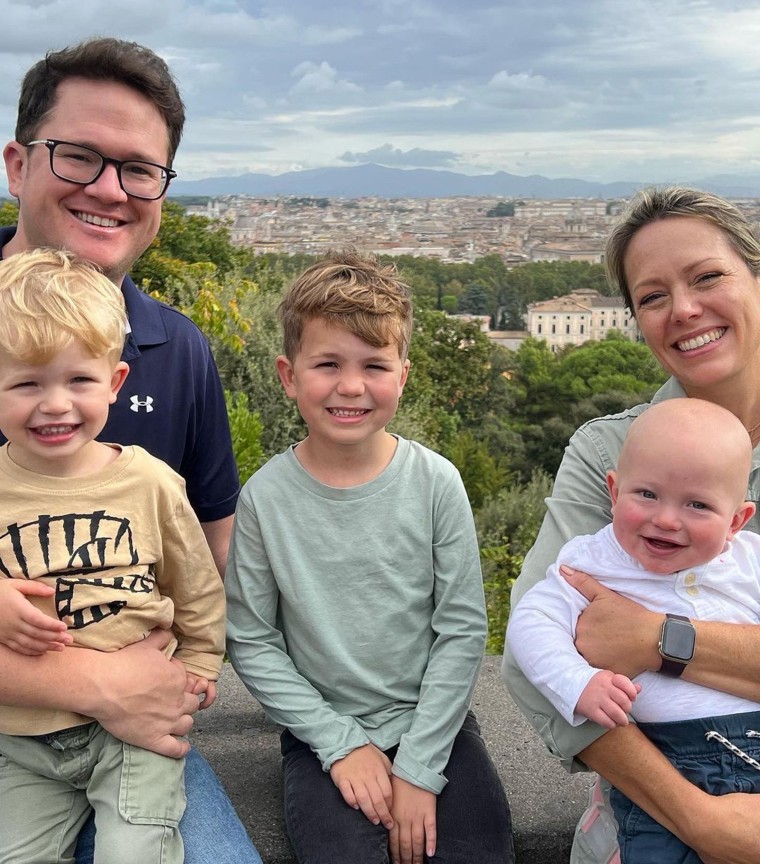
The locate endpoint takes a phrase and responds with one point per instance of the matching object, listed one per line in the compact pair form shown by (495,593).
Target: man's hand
(414,827)
(607,699)
(363,780)
(612,631)
(23,627)
(141,696)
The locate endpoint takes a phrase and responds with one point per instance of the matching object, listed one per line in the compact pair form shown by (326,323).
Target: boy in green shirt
(355,599)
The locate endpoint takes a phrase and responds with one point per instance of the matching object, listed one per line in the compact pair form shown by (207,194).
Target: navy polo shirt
(172,402)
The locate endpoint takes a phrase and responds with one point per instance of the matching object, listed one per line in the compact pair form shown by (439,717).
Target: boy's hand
(413,835)
(607,699)
(363,780)
(23,628)
(198,685)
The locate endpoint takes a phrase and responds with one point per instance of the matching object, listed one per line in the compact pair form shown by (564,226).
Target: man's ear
(15,156)
(286,375)
(741,517)
(612,486)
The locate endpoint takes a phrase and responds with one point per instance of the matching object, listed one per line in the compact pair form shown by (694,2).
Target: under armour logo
(138,403)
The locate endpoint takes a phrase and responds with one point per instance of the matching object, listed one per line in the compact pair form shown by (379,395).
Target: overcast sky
(644,90)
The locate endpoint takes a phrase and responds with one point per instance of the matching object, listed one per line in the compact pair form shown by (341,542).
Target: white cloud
(320,78)
(603,89)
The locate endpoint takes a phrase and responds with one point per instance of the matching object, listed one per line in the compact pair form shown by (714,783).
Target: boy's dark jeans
(473,819)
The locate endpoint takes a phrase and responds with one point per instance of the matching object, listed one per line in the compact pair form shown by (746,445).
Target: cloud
(320,78)
(391,156)
(597,88)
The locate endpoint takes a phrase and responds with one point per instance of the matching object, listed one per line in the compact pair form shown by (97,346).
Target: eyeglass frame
(52,143)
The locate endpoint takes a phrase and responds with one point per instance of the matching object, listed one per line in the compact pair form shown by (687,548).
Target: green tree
(8,213)
(503,208)
(193,266)
(190,239)
(246,430)
(507,525)
(252,371)
(482,473)
(450,373)
(476,300)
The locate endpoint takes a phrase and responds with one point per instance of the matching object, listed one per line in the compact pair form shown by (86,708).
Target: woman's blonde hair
(650,205)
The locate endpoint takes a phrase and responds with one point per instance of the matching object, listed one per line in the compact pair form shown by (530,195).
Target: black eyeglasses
(83,165)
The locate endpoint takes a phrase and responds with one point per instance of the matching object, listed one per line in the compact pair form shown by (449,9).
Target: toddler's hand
(199,686)
(23,628)
(607,699)
(363,780)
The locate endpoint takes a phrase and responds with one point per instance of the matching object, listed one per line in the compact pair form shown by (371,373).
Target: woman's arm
(619,634)
(722,829)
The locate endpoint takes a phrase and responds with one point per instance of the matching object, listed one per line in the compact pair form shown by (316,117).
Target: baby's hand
(199,686)
(362,778)
(414,830)
(23,628)
(607,699)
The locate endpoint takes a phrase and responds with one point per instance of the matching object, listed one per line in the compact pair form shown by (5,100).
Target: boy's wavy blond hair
(49,298)
(351,291)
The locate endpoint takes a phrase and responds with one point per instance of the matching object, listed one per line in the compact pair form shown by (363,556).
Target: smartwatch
(677,640)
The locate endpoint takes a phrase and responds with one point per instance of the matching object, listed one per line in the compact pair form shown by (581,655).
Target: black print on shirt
(78,550)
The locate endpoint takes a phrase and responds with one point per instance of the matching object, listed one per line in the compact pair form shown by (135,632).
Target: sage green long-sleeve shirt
(357,615)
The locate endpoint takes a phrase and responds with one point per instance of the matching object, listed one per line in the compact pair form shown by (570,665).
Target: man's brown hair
(101,59)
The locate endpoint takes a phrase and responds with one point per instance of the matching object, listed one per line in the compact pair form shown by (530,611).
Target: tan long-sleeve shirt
(125,554)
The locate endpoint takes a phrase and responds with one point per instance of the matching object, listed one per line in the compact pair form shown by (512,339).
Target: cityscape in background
(452,230)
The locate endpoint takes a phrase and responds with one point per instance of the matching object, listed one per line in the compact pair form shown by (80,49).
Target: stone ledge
(243,748)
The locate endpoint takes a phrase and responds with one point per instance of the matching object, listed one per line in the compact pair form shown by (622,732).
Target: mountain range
(371,180)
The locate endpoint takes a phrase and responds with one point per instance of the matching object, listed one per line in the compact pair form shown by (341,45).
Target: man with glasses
(98,126)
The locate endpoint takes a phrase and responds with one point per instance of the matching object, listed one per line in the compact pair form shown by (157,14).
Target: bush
(246,429)
(507,526)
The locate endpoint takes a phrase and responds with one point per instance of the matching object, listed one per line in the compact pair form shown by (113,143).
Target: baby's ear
(740,518)
(612,486)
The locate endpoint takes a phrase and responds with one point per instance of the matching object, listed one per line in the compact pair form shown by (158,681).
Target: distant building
(590,250)
(511,339)
(483,321)
(578,317)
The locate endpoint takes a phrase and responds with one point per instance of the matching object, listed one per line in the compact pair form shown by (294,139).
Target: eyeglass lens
(82,165)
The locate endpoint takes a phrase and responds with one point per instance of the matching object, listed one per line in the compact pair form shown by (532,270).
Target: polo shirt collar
(144,313)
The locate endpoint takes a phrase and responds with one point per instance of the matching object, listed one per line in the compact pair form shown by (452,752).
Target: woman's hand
(614,632)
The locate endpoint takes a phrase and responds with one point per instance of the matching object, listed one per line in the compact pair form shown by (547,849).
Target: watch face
(678,640)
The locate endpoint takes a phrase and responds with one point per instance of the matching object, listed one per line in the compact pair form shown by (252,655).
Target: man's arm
(136,693)
(218,535)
